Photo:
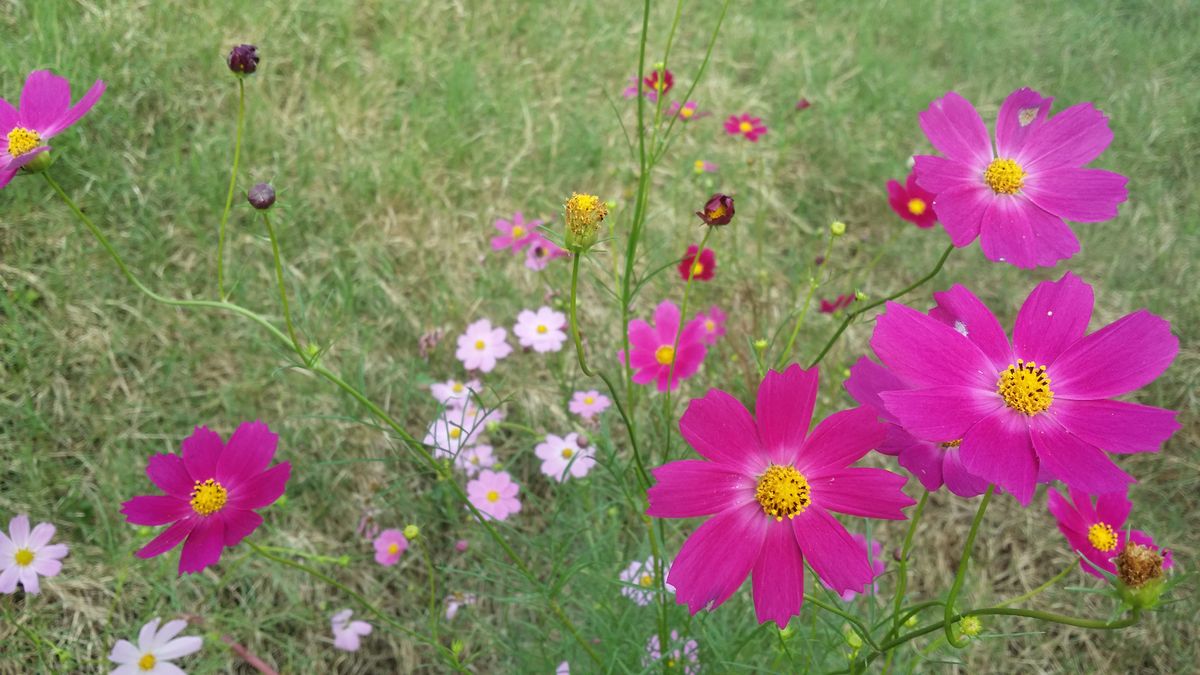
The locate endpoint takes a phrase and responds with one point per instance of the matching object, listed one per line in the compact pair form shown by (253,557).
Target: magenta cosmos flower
(837,304)
(1015,198)
(700,267)
(481,346)
(687,111)
(912,202)
(745,125)
(1097,530)
(653,349)
(660,82)
(1042,404)
(542,330)
(494,494)
(713,322)
(45,111)
(515,234)
(563,457)
(770,486)
(389,546)
(25,555)
(541,251)
(212,492)
(588,404)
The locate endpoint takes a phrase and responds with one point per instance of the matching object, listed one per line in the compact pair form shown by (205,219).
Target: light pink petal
(263,489)
(1054,316)
(1080,195)
(47,567)
(203,546)
(124,652)
(941,414)
(146,634)
(201,451)
(7,547)
(784,409)
(718,427)
(238,524)
(831,551)
(1113,508)
(41,535)
(998,450)
(960,309)
(866,492)
(1018,232)
(840,440)
(18,530)
(169,630)
(247,454)
(1123,356)
(81,108)
(867,380)
(1065,513)
(911,343)
(954,127)
(346,640)
(716,558)
(155,509)
(170,474)
(9,578)
(179,647)
(1116,426)
(961,210)
(44,101)
(168,538)
(1075,462)
(778,576)
(1023,111)
(938,174)
(29,580)
(53,551)
(1070,139)
(692,487)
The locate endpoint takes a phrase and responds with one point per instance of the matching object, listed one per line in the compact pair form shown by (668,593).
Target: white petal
(128,669)
(18,530)
(164,635)
(179,647)
(145,641)
(8,578)
(124,652)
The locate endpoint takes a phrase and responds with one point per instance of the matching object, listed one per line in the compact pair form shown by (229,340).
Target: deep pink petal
(1116,426)
(938,174)
(170,475)
(203,546)
(866,492)
(927,353)
(1054,316)
(839,441)
(44,101)
(642,336)
(716,558)
(1125,355)
(666,321)
(1113,508)
(940,414)
(1075,462)
(778,576)
(247,454)
(998,450)
(1018,232)
(783,411)
(262,490)
(867,380)
(1065,513)
(718,427)
(956,477)
(961,210)
(692,487)
(960,309)
(81,108)
(1070,139)
(155,509)
(954,127)
(238,524)
(1023,111)
(1083,504)
(831,551)
(1080,195)
(923,460)
(201,451)
(168,538)
(8,118)
(6,176)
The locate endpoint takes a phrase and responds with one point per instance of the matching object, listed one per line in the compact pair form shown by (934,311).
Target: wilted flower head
(243,59)
(25,555)
(155,650)
(718,210)
(45,112)
(584,214)
(347,632)
(261,196)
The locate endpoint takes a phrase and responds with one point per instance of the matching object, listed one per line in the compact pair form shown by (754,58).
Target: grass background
(396,133)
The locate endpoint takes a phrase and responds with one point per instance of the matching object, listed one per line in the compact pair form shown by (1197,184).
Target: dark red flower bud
(261,196)
(802,104)
(718,210)
(243,59)
(661,87)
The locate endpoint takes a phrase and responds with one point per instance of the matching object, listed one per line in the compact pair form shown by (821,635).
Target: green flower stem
(961,575)
(574,320)
(429,569)
(813,283)
(342,561)
(854,621)
(902,577)
(850,316)
(29,635)
(283,298)
(668,412)
(1055,579)
(237,155)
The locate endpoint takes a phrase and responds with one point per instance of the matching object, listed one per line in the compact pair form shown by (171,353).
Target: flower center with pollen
(480,344)
(455,432)
(916,206)
(208,497)
(492,496)
(710,325)
(588,400)
(147,662)
(393,549)
(1025,388)
(567,452)
(541,329)
(745,127)
(1102,537)
(665,355)
(715,212)
(646,580)
(697,269)
(457,387)
(1004,176)
(517,231)
(24,557)
(782,491)
(22,140)
(951,444)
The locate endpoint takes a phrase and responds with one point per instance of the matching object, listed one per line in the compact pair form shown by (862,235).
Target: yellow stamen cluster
(458,387)
(697,269)
(952,444)
(147,662)
(1025,388)
(745,127)
(541,329)
(208,497)
(782,491)
(393,548)
(646,580)
(665,355)
(492,496)
(917,206)
(24,557)
(1004,176)
(710,325)
(1102,537)
(567,453)
(588,400)
(716,212)
(518,232)
(455,432)
(22,140)
(584,213)
(480,344)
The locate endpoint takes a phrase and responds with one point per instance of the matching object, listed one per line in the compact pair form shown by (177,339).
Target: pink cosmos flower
(346,633)
(770,485)
(494,494)
(1016,198)
(700,268)
(874,556)
(632,90)
(155,650)
(45,111)
(701,166)
(687,111)
(564,668)
(912,202)
(837,304)
(25,555)
(452,431)
(563,456)
(389,546)
(541,330)
(1043,403)
(683,655)
(653,349)
(541,251)
(640,581)
(588,404)
(456,601)
(803,104)
(471,460)
(462,545)
(481,346)
(515,234)
(713,322)
(660,85)
(212,492)
(1097,531)
(750,127)
(454,390)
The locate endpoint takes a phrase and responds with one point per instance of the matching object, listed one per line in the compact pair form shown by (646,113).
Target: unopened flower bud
(859,295)
(760,345)
(243,59)
(837,228)
(852,638)
(718,210)
(261,196)
(584,214)
(39,163)
(411,532)
(492,425)
(911,621)
(582,441)
(970,626)
(461,545)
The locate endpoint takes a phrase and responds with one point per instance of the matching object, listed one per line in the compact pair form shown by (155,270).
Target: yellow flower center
(457,387)
(1004,176)
(567,453)
(492,496)
(24,557)
(584,213)
(480,344)
(517,231)
(646,580)
(745,127)
(699,166)
(1102,537)
(710,325)
(686,113)
(670,663)
(697,269)
(716,212)
(541,328)
(782,491)
(455,432)
(22,140)
(1025,388)
(952,444)
(393,548)
(665,355)
(208,497)
(147,662)
(916,206)
(588,400)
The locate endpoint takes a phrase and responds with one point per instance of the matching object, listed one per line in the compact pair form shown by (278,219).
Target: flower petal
(179,647)
(1070,139)
(124,652)
(831,551)
(9,118)
(29,580)
(666,321)
(783,411)
(44,101)
(201,451)
(720,428)
(247,454)
(1054,316)
(960,309)
(81,108)
(263,489)
(203,546)
(954,127)
(41,535)
(1113,508)
(716,558)
(956,477)
(9,578)
(18,530)
(927,353)
(147,633)
(168,538)
(238,524)
(1065,513)
(938,174)
(961,210)
(867,380)
(1023,111)
(941,414)
(1125,355)
(866,492)
(169,630)
(998,450)
(923,459)
(169,473)
(155,510)
(839,441)
(1080,195)
(692,487)
(1075,462)
(1019,232)
(1116,426)
(778,576)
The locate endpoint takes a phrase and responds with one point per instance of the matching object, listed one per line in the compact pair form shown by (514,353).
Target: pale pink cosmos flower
(456,601)
(681,655)
(450,432)
(475,458)
(494,494)
(713,322)
(481,346)
(561,456)
(588,404)
(541,251)
(515,234)
(25,555)
(155,650)
(454,390)
(656,357)
(462,545)
(564,668)
(389,546)
(45,112)
(346,633)
(701,166)
(640,581)
(541,330)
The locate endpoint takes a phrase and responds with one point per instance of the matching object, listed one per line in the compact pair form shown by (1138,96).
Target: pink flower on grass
(454,390)
(541,251)
(588,404)
(745,125)
(698,267)
(912,202)
(481,346)
(654,350)
(701,166)
(632,90)
(1040,405)
(155,650)
(212,493)
(515,234)
(874,557)
(713,322)
(564,668)
(541,330)
(687,111)
(453,430)
(346,633)
(475,458)
(1097,530)
(837,304)
(389,546)
(25,555)
(563,457)
(1015,199)
(456,601)
(640,581)
(45,111)
(769,486)
(494,494)
(682,655)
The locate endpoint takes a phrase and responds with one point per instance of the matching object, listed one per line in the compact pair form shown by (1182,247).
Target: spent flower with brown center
(584,214)
(1137,565)
(718,210)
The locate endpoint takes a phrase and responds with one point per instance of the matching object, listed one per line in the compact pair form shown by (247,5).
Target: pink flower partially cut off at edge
(45,111)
